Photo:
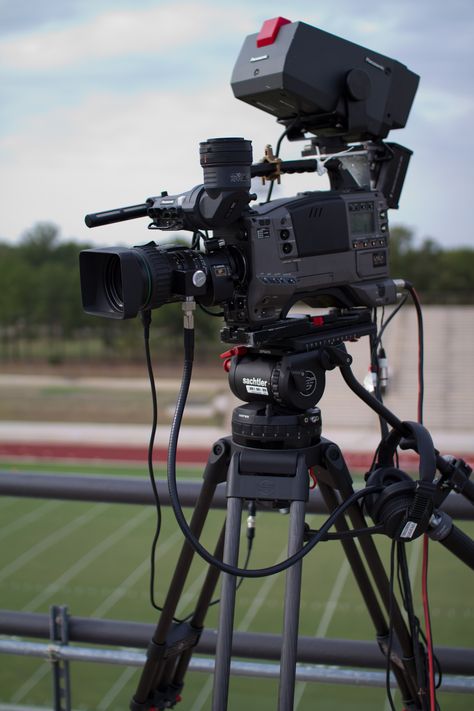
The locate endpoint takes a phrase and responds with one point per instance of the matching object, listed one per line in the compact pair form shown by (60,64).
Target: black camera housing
(317,82)
(325,248)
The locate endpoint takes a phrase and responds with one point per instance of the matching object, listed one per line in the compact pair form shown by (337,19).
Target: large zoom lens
(119,283)
(113,283)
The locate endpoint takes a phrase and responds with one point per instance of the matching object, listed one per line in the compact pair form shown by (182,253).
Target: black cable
(421,348)
(239,583)
(407,598)
(176,504)
(197,236)
(146,320)
(384,325)
(390,628)
(352,533)
(374,368)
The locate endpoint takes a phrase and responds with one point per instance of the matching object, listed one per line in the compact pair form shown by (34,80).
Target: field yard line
(260,598)
(87,558)
(333,600)
(258,601)
(34,679)
(203,695)
(326,618)
(191,592)
(135,575)
(28,518)
(54,538)
(115,690)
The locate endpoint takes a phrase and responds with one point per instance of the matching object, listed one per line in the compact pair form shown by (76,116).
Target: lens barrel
(226,164)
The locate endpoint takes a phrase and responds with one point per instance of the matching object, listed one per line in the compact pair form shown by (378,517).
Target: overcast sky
(103,103)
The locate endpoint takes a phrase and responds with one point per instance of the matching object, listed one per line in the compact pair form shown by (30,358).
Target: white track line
(134,576)
(115,690)
(31,682)
(86,559)
(42,671)
(54,538)
(28,518)
(120,592)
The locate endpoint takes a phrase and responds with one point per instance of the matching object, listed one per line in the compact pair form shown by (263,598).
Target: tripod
(267,460)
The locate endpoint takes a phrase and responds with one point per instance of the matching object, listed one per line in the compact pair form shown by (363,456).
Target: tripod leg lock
(166,699)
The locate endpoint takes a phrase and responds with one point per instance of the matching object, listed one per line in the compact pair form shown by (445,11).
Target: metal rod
(137,490)
(316,673)
(291,615)
(249,645)
(220,691)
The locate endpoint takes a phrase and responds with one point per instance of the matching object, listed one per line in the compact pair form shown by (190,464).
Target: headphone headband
(417,438)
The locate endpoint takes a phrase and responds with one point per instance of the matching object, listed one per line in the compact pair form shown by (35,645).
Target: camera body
(325,248)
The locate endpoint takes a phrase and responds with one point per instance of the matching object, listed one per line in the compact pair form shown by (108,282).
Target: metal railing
(319,659)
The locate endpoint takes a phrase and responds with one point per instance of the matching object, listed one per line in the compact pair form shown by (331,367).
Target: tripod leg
(176,669)
(335,476)
(227,606)
(365,586)
(215,473)
(292,610)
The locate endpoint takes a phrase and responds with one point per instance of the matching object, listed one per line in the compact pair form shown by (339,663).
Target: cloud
(113,34)
(111,151)
(442,106)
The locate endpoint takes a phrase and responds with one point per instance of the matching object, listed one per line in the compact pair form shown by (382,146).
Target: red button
(270,30)
(317,320)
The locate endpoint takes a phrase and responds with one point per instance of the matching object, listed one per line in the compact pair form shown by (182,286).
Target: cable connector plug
(188,307)
(251,521)
(382,364)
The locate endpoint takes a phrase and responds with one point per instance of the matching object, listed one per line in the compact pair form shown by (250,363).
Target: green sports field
(95,559)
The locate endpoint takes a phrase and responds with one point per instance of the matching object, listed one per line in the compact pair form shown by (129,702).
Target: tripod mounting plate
(305,333)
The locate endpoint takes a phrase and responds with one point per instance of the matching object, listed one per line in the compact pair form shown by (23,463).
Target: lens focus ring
(160,273)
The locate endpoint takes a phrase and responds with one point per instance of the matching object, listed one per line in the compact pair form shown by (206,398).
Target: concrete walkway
(360,440)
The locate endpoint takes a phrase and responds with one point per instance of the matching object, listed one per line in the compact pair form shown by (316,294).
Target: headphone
(404,506)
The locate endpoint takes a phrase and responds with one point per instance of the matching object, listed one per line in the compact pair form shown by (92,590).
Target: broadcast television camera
(320,247)
(324,248)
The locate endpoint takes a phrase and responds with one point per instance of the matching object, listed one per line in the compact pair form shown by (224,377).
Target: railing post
(58,632)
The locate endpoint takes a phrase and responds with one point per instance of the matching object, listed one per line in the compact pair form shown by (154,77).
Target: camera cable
(424,582)
(188,309)
(146,321)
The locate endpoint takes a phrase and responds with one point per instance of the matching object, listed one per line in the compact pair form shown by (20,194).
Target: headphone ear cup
(390,506)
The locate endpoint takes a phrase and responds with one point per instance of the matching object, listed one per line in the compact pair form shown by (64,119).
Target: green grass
(78,554)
